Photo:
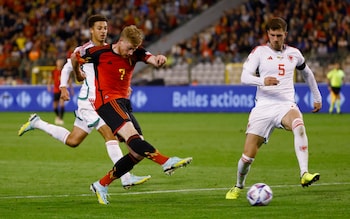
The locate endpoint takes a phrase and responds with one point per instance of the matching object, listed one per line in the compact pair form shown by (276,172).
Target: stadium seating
(237,29)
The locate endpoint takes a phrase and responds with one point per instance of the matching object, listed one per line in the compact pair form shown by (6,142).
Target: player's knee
(247,159)
(71,142)
(298,126)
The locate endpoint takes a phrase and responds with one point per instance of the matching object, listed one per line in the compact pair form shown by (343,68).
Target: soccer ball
(259,194)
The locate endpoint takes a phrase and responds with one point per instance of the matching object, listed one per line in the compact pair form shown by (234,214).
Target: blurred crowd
(319,28)
(37,32)
(40,31)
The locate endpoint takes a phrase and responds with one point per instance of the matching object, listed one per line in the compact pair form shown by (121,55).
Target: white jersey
(280,64)
(87,91)
(86,116)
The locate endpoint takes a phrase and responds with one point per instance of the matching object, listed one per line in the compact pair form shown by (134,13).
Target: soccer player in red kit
(58,104)
(114,65)
(86,118)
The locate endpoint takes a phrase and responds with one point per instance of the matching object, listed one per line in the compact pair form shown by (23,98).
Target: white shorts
(264,119)
(86,117)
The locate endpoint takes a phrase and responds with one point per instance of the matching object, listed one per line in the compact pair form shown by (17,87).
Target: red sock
(157,157)
(108,178)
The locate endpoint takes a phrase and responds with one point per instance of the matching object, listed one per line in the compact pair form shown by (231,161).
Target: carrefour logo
(6,99)
(23,99)
(139,99)
(309,100)
(44,99)
(342,99)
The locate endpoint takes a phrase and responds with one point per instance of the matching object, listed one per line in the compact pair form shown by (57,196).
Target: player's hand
(160,60)
(65,94)
(271,81)
(317,107)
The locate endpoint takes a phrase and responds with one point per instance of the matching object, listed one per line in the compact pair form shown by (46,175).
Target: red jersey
(113,73)
(56,76)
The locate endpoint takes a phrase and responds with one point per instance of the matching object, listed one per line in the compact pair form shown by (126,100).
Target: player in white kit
(271,68)
(86,117)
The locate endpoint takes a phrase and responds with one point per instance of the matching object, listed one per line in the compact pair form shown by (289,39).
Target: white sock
(300,144)
(115,153)
(58,132)
(243,169)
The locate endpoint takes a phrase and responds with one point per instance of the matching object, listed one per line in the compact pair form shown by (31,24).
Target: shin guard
(140,146)
(124,165)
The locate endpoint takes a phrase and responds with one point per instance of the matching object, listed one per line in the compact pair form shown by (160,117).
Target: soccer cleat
(175,162)
(136,180)
(308,178)
(28,125)
(101,192)
(233,193)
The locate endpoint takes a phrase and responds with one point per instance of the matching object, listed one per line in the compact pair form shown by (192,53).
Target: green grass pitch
(42,178)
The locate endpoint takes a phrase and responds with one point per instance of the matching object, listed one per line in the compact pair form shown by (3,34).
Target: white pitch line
(155,192)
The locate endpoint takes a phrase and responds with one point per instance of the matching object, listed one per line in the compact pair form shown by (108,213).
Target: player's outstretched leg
(143,148)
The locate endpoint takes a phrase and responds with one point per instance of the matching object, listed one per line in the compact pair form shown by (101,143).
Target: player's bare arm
(75,58)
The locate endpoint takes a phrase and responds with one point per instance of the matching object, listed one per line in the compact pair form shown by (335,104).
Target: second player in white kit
(271,69)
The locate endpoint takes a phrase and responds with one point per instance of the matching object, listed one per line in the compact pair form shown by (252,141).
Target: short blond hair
(133,35)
